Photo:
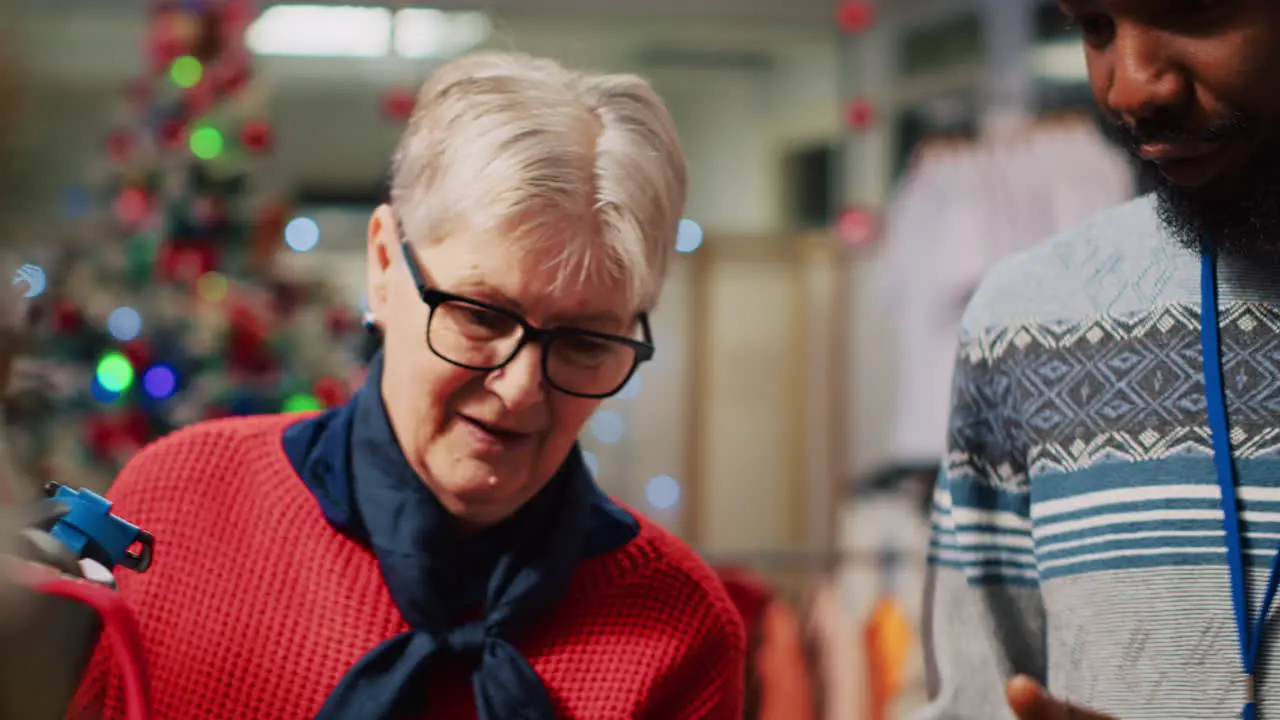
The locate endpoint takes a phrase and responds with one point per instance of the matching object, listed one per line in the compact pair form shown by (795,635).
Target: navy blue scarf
(350,460)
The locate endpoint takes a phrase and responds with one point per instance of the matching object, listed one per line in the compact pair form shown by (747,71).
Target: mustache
(1161,131)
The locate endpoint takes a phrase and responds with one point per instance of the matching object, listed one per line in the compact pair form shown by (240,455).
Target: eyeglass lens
(576,362)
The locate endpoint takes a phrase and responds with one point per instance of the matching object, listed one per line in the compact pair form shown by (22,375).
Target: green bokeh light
(185,72)
(206,142)
(302,402)
(115,372)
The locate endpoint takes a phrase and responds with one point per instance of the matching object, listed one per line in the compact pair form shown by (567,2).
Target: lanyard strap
(1211,356)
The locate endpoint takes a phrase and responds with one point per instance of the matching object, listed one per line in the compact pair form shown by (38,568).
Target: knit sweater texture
(255,606)
(1077,527)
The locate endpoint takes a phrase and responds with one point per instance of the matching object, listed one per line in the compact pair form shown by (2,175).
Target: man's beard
(1239,215)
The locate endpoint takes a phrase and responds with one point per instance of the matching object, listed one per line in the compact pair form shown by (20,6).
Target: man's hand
(1030,701)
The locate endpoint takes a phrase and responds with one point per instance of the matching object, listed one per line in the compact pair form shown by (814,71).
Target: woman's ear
(383,239)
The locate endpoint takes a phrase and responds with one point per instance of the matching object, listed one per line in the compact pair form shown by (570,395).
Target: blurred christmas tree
(167,306)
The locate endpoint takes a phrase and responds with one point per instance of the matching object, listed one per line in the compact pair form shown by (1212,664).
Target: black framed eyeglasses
(480,336)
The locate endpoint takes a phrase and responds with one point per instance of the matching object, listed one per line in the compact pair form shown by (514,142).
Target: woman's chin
(480,487)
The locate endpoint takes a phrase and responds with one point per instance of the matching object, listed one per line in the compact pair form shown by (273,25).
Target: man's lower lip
(1167,152)
(1188,172)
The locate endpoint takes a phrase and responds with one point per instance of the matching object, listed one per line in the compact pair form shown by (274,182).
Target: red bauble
(132,206)
(256,136)
(171,34)
(237,13)
(119,145)
(857,227)
(397,104)
(97,435)
(185,263)
(340,320)
(860,114)
(247,350)
(268,229)
(133,430)
(855,16)
(209,211)
(66,317)
(231,74)
(138,352)
(172,133)
(331,392)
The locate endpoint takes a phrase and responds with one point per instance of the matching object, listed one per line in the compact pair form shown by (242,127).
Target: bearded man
(1107,521)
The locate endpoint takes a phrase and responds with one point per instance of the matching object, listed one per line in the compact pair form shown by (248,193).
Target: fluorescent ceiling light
(1060,60)
(321,31)
(365,32)
(424,33)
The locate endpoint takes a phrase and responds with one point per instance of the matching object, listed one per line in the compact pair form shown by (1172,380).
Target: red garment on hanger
(778,684)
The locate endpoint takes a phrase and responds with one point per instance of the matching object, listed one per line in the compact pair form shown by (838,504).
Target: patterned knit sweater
(255,607)
(1077,529)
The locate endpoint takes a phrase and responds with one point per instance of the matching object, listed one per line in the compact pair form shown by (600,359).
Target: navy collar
(319,448)
(514,572)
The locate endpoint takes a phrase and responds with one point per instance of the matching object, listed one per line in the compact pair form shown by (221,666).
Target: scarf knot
(351,461)
(466,642)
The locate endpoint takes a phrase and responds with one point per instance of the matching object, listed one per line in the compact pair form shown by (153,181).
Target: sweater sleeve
(100,695)
(707,682)
(984,621)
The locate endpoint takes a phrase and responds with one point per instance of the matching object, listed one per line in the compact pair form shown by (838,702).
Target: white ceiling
(84,51)
(797,11)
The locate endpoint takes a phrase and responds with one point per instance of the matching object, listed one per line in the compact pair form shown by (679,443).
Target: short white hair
(510,141)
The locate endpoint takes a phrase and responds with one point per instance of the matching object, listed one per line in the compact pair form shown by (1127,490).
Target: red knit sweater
(255,607)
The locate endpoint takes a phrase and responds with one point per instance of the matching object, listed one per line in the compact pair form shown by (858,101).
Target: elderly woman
(436,547)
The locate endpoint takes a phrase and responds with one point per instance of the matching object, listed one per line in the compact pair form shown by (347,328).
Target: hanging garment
(778,684)
(956,214)
(863,620)
(890,639)
(837,649)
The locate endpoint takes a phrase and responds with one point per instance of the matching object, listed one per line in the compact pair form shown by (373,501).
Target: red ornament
(331,392)
(268,230)
(173,133)
(860,114)
(237,13)
(66,317)
(119,145)
(397,104)
(138,352)
(256,136)
(247,350)
(340,320)
(855,16)
(97,435)
(185,263)
(209,211)
(132,206)
(171,34)
(231,74)
(136,429)
(857,227)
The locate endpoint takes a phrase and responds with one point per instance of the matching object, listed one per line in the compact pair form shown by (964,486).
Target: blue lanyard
(1211,355)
